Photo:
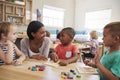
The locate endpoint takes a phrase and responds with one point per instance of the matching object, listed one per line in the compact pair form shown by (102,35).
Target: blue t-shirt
(112,63)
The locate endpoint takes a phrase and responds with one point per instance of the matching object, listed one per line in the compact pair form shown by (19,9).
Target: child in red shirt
(66,52)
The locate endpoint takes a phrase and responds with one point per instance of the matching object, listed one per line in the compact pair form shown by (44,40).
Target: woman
(36,46)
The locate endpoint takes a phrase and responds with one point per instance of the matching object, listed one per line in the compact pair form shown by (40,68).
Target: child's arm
(7,57)
(88,62)
(54,57)
(71,60)
(9,53)
(3,57)
(108,74)
(21,55)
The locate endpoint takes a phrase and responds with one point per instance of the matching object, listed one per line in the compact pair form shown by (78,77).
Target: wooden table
(51,72)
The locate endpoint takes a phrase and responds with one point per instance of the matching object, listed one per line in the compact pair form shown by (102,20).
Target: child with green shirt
(109,65)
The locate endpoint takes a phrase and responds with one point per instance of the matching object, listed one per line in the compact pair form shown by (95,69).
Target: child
(66,51)
(9,53)
(94,44)
(109,65)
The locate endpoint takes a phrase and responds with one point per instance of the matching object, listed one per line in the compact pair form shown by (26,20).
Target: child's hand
(88,62)
(17,62)
(97,58)
(54,57)
(63,63)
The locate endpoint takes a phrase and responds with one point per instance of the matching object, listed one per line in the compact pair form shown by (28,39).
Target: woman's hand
(39,57)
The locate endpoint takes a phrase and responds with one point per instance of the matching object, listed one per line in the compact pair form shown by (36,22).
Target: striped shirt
(5,51)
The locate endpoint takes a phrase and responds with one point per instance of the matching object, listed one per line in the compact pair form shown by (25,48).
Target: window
(97,19)
(53,17)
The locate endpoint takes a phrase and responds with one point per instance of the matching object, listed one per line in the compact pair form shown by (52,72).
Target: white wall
(76,9)
(68,5)
(83,6)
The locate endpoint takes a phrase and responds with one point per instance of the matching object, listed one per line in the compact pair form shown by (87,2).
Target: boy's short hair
(114,28)
(70,31)
(94,34)
(58,36)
